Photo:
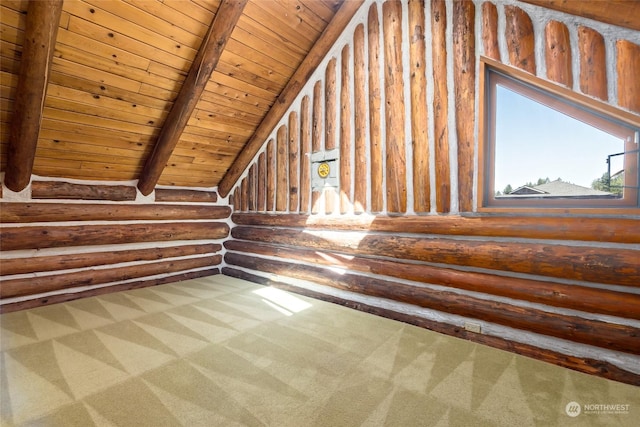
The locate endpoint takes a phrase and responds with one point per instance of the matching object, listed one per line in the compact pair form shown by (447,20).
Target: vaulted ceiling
(119,67)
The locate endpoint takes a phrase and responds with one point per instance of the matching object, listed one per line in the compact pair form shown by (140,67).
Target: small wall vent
(324,169)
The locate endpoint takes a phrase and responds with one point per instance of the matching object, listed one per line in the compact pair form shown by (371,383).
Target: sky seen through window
(535,141)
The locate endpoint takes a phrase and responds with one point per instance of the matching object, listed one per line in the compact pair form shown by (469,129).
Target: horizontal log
(171,195)
(556,294)
(92,259)
(91,277)
(625,13)
(37,237)
(52,212)
(589,366)
(591,332)
(55,299)
(67,190)
(586,229)
(593,264)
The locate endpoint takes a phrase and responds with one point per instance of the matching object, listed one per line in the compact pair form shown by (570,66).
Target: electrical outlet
(472,327)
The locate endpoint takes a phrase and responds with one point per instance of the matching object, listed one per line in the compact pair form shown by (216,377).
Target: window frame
(604,116)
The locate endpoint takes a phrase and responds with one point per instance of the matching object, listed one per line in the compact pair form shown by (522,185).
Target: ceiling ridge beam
(204,64)
(317,53)
(43,19)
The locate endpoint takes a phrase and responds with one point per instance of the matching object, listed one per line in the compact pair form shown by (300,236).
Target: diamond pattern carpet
(219,351)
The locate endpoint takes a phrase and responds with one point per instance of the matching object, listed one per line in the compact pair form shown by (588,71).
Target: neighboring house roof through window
(558,188)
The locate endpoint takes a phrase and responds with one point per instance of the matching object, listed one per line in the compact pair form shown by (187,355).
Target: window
(544,146)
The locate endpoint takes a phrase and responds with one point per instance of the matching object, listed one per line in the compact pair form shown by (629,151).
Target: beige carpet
(223,352)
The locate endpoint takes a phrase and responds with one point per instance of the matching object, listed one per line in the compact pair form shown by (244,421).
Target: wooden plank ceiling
(119,65)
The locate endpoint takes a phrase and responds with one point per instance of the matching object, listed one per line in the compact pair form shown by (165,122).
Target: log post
(330,106)
(202,67)
(628,68)
(315,202)
(251,178)
(360,112)
(271,175)
(329,200)
(316,136)
(244,201)
(520,39)
(558,53)
(490,30)
(236,200)
(305,153)
(464,71)
(262,182)
(441,105)
(375,126)
(419,122)
(294,161)
(43,18)
(282,159)
(593,63)
(345,133)
(394,108)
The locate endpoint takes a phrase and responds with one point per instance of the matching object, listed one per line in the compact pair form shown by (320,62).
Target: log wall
(400,235)
(62,240)
(404,57)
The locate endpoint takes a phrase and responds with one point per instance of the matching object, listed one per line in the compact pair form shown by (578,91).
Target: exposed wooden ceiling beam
(43,18)
(289,93)
(204,64)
